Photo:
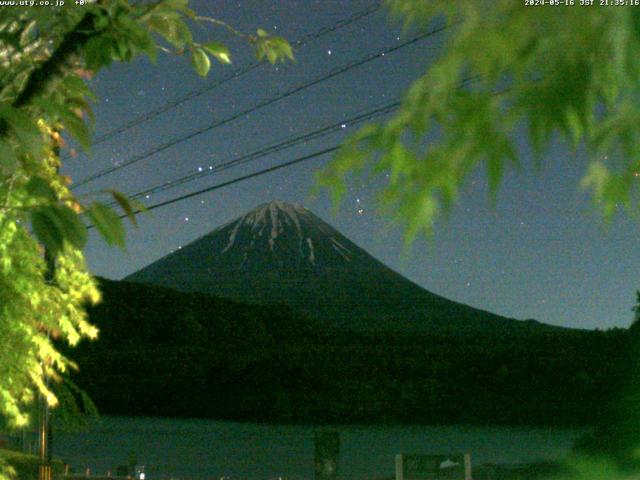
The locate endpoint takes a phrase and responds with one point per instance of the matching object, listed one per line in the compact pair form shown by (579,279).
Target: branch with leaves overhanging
(41,96)
(571,74)
(111,31)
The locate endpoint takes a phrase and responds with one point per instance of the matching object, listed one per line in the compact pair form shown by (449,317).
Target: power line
(249,176)
(242,178)
(279,166)
(264,151)
(283,145)
(235,74)
(260,105)
(279,146)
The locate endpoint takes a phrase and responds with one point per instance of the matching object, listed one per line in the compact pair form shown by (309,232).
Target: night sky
(540,253)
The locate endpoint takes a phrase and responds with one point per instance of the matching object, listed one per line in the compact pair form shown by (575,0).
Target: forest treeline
(165,353)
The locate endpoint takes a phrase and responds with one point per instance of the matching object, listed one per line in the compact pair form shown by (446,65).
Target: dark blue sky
(540,253)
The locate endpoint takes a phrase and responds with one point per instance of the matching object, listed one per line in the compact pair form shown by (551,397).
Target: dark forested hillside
(167,353)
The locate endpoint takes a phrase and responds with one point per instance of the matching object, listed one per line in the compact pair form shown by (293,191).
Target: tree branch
(42,76)
(220,23)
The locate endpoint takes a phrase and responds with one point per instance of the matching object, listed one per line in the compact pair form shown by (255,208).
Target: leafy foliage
(22,465)
(45,57)
(570,73)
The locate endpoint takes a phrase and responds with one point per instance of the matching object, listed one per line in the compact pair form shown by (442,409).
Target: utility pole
(45,434)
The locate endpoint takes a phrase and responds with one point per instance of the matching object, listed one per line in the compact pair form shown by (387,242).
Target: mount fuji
(281,253)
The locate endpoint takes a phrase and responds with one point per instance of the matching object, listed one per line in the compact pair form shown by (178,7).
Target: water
(206,449)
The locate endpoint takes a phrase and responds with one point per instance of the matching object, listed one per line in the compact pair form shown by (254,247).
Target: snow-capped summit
(281,253)
(281,225)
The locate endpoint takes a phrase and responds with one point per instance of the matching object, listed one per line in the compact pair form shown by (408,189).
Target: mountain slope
(283,253)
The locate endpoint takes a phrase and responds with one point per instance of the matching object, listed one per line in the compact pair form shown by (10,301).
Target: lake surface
(206,449)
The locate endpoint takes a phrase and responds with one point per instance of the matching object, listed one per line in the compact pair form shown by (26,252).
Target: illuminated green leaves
(272,48)
(218,51)
(70,120)
(108,223)
(24,129)
(168,23)
(55,224)
(41,190)
(37,209)
(201,61)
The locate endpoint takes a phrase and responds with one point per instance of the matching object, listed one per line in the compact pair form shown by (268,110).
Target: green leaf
(47,231)
(78,86)
(272,56)
(108,223)
(29,33)
(573,126)
(146,44)
(55,224)
(164,27)
(218,51)
(24,128)
(78,129)
(273,48)
(126,204)
(281,47)
(495,172)
(39,188)
(596,178)
(97,52)
(122,52)
(201,62)
(72,123)
(72,228)
(11,39)
(100,21)
(8,160)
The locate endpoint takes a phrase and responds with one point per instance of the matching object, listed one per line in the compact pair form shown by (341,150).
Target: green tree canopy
(569,72)
(45,57)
